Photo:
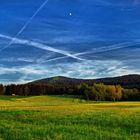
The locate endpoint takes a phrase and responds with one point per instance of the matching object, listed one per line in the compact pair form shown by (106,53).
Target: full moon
(70,14)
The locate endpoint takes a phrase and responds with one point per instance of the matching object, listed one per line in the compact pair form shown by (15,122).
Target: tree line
(97,92)
(102,92)
(37,89)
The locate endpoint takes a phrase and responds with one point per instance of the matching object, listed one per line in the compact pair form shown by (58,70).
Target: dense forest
(110,89)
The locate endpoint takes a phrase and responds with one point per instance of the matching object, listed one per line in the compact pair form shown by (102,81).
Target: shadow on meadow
(13,98)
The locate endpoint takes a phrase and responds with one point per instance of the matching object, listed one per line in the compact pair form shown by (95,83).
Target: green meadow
(67,118)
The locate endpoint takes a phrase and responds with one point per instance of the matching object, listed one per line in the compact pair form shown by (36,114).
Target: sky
(74,38)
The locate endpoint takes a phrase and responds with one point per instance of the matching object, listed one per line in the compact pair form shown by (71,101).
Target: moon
(70,14)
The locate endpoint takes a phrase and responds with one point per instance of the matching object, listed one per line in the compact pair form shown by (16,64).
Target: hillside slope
(128,81)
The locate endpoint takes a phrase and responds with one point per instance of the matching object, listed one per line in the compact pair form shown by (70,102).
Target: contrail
(108,48)
(67,54)
(25,25)
(40,46)
(95,51)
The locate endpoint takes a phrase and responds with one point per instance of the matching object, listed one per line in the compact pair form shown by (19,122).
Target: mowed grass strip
(61,118)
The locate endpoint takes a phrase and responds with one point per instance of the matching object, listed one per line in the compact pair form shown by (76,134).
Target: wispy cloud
(117,3)
(20,59)
(136,2)
(89,69)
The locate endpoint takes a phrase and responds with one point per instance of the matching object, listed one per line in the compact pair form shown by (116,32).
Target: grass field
(61,118)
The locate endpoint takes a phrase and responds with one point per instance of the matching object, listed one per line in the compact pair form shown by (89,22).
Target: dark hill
(127,81)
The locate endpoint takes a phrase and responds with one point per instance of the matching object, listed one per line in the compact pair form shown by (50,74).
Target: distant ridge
(127,81)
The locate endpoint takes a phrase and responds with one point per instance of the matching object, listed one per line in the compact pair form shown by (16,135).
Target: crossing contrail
(25,25)
(40,46)
(96,50)
(67,54)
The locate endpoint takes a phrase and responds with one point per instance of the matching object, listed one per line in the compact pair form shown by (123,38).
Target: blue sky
(75,38)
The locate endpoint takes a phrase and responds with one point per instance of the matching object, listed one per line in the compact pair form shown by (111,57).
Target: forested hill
(126,88)
(127,81)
